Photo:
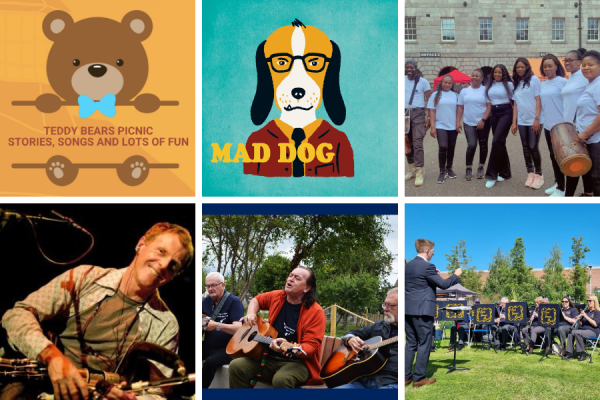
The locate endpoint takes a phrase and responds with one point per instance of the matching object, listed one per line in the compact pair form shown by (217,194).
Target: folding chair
(483,331)
(444,326)
(595,340)
(541,346)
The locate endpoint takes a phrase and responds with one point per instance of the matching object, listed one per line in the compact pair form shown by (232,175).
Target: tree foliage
(555,283)
(498,276)
(271,275)
(579,276)
(470,278)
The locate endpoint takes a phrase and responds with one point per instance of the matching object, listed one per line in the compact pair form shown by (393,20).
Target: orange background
(23,53)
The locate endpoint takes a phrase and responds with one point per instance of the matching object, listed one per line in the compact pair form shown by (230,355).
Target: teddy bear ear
(56,23)
(139,22)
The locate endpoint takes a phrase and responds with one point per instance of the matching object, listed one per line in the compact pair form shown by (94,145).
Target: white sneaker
(558,193)
(500,179)
(490,184)
(551,190)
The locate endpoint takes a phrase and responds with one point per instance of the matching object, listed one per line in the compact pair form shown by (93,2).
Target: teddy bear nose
(298,93)
(97,70)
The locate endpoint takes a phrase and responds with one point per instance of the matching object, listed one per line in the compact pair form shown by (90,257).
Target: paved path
(476,187)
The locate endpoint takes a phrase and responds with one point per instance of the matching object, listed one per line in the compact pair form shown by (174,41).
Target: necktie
(298,166)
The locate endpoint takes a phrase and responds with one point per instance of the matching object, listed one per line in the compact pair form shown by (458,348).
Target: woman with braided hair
(442,114)
(526,118)
(499,94)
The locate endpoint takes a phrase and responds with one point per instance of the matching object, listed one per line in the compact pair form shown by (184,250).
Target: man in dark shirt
(502,329)
(221,328)
(386,377)
(462,325)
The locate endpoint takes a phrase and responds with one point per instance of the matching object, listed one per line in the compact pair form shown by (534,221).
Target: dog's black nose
(298,93)
(97,70)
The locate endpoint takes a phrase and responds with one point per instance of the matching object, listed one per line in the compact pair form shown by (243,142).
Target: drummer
(570,94)
(552,113)
(588,114)
(526,119)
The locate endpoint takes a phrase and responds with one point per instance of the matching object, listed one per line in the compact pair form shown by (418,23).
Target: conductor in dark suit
(421,279)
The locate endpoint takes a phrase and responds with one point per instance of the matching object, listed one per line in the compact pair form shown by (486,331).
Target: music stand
(454,312)
(484,314)
(516,313)
(549,318)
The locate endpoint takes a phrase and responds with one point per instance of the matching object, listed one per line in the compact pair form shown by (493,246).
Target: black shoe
(583,356)
(469,174)
(567,356)
(450,348)
(480,172)
(460,347)
(585,195)
(450,174)
(442,177)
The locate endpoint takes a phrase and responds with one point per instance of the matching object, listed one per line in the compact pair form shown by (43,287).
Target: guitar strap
(220,306)
(407,112)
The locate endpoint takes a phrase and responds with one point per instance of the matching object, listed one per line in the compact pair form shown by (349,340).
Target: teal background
(367,35)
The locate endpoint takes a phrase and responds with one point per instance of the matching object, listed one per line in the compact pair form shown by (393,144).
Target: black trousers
(447,143)
(499,164)
(461,334)
(531,149)
(559,177)
(594,149)
(419,334)
(213,358)
(475,135)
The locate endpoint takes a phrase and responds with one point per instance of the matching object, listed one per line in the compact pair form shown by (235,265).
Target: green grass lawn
(507,375)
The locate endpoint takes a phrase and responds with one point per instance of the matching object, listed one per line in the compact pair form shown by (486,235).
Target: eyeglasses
(565,301)
(313,62)
(212,286)
(570,60)
(590,300)
(388,305)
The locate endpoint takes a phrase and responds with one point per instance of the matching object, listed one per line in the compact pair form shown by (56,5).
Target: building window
(448,29)
(522,29)
(410,28)
(592,28)
(485,29)
(558,29)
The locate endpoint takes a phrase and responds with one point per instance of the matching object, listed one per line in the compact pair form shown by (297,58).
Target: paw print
(137,169)
(57,167)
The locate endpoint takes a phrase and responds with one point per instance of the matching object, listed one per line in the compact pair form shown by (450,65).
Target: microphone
(70,221)
(6,215)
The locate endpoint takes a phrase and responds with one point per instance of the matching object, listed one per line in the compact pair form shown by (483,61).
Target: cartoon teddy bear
(97,63)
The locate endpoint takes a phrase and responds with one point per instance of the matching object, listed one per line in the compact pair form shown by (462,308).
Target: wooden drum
(571,154)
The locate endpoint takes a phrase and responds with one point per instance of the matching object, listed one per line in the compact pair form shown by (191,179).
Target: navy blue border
(299,209)
(298,394)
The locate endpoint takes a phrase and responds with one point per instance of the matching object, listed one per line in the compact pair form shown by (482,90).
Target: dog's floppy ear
(263,99)
(332,97)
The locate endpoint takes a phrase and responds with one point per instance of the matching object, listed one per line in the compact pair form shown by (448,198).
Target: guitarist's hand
(66,379)
(250,318)
(275,345)
(356,343)
(212,325)
(117,394)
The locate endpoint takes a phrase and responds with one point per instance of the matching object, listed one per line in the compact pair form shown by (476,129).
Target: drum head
(576,165)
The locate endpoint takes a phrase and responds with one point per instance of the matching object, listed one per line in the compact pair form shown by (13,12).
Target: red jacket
(342,163)
(311,330)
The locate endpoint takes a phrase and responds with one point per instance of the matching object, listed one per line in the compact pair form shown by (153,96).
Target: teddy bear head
(96,57)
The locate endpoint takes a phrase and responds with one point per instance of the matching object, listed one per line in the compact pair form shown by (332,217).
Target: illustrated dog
(298,68)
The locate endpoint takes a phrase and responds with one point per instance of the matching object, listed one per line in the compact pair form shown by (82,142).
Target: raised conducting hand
(458,271)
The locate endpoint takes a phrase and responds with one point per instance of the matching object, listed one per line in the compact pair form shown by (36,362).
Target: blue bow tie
(87,106)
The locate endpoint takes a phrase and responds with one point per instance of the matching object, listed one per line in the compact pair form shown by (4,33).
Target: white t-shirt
(497,93)
(552,101)
(445,112)
(587,109)
(474,101)
(573,89)
(525,98)
(422,87)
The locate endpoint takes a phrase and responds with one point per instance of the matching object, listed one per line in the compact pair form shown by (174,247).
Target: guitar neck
(383,343)
(263,339)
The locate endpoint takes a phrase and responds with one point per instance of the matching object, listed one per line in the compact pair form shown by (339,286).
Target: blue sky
(487,227)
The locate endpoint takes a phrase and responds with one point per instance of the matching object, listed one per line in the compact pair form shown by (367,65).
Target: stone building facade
(545,26)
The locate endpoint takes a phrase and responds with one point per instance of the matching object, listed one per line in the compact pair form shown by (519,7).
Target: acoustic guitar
(248,341)
(345,365)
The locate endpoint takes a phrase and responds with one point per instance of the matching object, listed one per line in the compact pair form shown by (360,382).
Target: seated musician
(297,318)
(386,377)
(502,329)
(589,326)
(531,332)
(102,312)
(220,328)
(462,325)
(569,313)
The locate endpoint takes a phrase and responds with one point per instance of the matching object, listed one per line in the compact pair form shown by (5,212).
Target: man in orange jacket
(298,318)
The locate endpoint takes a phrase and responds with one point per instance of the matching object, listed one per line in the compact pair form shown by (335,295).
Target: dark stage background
(116,229)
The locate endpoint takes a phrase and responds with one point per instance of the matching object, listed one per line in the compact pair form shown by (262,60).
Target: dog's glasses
(313,62)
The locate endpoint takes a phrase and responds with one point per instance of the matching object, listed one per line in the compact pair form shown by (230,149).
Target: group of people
(297,318)
(518,104)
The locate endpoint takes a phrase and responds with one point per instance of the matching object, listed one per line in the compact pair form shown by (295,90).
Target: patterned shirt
(77,291)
